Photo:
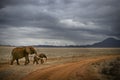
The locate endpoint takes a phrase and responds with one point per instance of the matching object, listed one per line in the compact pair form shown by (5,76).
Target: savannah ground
(64,64)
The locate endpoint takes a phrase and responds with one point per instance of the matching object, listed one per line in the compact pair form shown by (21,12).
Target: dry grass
(5,52)
(55,56)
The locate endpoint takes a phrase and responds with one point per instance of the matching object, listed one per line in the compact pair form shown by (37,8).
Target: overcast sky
(58,22)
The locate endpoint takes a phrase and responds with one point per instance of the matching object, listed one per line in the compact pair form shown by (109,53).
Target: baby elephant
(39,57)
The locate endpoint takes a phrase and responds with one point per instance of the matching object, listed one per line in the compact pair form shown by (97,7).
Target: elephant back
(18,52)
(42,55)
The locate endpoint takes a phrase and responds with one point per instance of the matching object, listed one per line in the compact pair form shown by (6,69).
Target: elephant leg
(36,61)
(17,62)
(12,61)
(26,60)
(42,61)
(33,61)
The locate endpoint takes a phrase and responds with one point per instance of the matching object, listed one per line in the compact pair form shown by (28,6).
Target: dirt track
(68,71)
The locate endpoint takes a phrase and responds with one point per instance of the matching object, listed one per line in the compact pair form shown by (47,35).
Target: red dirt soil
(69,71)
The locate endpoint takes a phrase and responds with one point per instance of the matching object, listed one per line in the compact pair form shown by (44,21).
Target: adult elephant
(20,52)
(39,57)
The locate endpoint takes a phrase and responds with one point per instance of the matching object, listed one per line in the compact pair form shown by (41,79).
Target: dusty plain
(64,64)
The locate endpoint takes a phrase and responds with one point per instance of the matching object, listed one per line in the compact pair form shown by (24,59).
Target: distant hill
(109,42)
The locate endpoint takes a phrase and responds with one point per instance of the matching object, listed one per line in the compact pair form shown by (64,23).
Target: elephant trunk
(45,57)
(35,53)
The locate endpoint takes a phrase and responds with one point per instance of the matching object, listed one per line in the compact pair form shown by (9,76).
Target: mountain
(109,42)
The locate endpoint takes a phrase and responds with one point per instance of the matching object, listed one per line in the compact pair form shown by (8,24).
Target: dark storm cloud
(24,17)
(58,21)
(105,13)
(5,3)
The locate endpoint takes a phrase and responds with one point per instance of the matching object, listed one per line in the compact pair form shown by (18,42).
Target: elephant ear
(27,49)
(30,50)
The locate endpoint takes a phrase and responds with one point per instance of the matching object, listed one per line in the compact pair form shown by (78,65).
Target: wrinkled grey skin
(39,57)
(20,52)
